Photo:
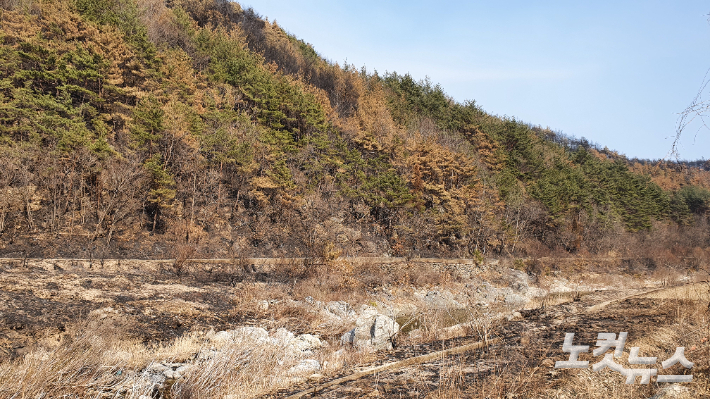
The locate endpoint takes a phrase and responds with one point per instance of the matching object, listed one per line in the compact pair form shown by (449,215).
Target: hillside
(137,128)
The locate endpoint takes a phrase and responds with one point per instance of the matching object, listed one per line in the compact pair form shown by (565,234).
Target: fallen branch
(395,365)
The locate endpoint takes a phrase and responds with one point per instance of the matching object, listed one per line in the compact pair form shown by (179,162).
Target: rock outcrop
(372,330)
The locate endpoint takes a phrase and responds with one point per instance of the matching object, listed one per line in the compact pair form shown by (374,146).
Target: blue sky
(617,73)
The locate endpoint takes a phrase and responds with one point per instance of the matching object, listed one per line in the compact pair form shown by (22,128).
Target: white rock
(372,330)
(170,374)
(340,309)
(251,334)
(183,369)
(348,338)
(441,300)
(256,334)
(154,380)
(521,281)
(205,354)
(308,341)
(307,366)
(384,329)
(282,337)
(263,305)
(223,336)
(304,344)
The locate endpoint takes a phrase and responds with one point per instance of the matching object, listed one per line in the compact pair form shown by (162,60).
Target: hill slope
(180,129)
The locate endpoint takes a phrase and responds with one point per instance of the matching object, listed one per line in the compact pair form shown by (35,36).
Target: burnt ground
(522,364)
(38,305)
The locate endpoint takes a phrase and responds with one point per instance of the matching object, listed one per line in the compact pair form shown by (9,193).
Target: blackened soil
(520,365)
(37,305)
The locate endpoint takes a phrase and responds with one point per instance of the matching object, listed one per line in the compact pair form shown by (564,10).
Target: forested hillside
(197,128)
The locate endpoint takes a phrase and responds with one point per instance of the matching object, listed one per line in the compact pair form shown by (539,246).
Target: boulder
(165,370)
(251,334)
(307,366)
(340,309)
(282,337)
(304,344)
(348,338)
(519,280)
(514,316)
(486,293)
(338,312)
(372,330)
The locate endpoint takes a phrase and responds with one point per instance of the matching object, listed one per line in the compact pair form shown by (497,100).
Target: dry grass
(690,292)
(97,359)
(241,371)
(90,362)
(555,298)
(245,369)
(690,330)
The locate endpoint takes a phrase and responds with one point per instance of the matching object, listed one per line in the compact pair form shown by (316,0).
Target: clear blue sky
(617,73)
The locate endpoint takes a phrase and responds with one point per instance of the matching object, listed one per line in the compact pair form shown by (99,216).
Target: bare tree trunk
(155,219)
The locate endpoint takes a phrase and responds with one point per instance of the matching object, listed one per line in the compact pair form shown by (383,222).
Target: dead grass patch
(689,292)
(89,362)
(690,330)
(98,358)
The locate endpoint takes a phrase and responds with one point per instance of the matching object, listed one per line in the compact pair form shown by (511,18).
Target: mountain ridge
(198,129)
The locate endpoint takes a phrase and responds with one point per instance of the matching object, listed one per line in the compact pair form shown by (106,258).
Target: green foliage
(124,15)
(147,126)
(588,184)
(219,107)
(633,197)
(562,188)
(290,114)
(411,99)
(162,184)
(51,97)
(679,210)
(308,52)
(387,189)
(697,199)
(222,145)
(565,182)
(375,181)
